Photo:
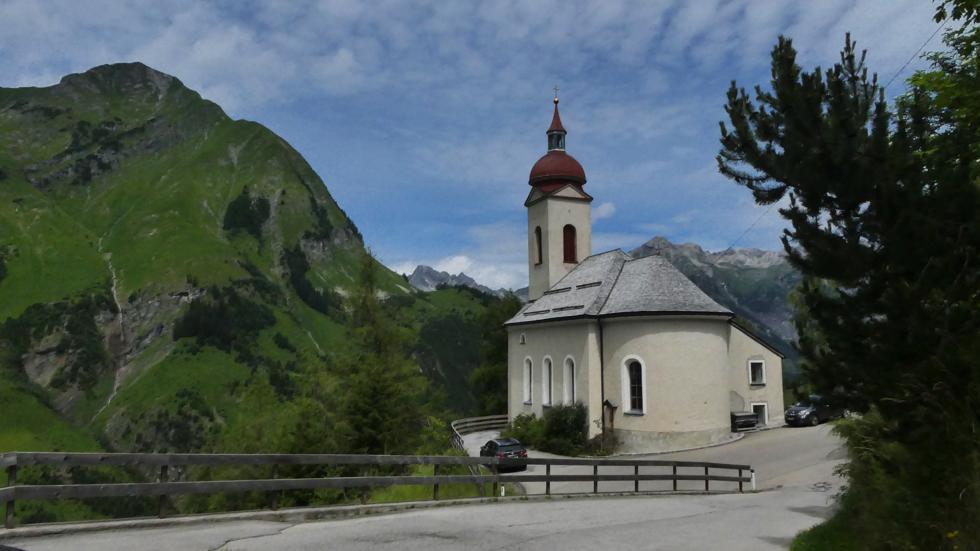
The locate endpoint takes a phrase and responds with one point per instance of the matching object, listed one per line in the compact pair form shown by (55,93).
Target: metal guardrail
(475,424)
(164,487)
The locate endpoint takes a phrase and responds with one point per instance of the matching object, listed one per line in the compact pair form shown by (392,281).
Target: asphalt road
(780,456)
(796,465)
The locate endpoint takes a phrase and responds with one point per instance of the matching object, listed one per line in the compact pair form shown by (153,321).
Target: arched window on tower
(537,245)
(570,244)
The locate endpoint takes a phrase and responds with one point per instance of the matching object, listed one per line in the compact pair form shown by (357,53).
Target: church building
(652,357)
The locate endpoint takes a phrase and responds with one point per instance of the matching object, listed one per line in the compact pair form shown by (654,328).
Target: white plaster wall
(741,350)
(552,214)
(687,373)
(556,340)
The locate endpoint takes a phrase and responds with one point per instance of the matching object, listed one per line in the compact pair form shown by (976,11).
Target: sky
(424,118)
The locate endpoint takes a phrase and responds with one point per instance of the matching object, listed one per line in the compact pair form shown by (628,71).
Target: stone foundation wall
(633,441)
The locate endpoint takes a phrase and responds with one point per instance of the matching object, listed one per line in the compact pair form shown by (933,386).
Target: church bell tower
(559,214)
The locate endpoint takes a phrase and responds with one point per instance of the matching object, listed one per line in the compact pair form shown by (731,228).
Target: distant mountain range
(753,283)
(427,278)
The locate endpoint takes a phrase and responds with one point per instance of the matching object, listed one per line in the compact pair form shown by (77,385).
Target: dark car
(813,411)
(505,448)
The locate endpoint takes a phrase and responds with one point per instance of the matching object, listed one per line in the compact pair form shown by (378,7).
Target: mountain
(753,283)
(426,278)
(170,278)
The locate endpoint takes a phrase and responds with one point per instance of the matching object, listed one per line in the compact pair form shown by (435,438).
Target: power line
(737,239)
(924,44)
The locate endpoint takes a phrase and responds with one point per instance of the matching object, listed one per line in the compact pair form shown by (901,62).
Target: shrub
(527,428)
(562,430)
(566,429)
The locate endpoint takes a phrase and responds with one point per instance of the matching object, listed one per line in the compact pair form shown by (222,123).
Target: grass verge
(836,533)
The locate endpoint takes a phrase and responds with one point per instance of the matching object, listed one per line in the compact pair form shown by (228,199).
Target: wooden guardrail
(13,461)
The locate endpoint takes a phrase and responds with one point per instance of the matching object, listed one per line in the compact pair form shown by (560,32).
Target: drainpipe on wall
(602,383)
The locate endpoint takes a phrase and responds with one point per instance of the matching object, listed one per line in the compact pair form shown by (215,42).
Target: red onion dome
(556,169)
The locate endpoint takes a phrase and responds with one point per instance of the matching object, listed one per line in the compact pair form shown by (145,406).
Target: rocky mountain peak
(427,278)
(122,78)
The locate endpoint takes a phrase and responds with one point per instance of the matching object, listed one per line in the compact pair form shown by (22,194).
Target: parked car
(505,448)
(814,410)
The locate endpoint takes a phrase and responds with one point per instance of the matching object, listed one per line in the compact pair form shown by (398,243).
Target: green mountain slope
(161,264)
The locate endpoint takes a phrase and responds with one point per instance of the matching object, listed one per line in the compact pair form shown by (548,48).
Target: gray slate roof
(614,284)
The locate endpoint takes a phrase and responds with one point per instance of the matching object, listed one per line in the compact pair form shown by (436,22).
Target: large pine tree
(882,211)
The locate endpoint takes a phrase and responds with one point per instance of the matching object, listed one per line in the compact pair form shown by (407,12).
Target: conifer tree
(882,211)
(384,390)
(489,380)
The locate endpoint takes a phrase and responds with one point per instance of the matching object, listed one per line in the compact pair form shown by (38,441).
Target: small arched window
(569,379)
(527,381)
(546,383)
(570,245)
(537,245)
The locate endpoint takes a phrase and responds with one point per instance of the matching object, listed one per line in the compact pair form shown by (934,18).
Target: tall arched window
(537,245)
(527,380)
(636,385)
(546,383)
(570,245)
(569,379)
(634,382)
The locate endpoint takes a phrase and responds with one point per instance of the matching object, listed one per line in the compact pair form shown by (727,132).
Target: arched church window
(570,245)
(537,245)
(546,383)
(569,379)
(527,381)
(635,372)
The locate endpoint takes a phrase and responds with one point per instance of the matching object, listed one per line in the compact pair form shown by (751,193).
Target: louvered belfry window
(570,245)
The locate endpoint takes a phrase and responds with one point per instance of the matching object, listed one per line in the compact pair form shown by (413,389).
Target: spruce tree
(882,211)
(384,390)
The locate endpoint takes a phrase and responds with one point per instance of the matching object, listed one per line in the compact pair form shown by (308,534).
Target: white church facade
(652,357)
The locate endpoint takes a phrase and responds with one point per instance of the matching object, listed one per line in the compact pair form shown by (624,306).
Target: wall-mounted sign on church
(651,356)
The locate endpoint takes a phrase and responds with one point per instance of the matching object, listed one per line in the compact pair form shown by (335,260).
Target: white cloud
(604,210)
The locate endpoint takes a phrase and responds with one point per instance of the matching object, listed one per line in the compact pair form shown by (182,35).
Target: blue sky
(424,118)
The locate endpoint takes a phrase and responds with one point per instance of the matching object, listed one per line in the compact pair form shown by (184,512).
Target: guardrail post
(706,479)
(496,480)
(636,478)
(8,521)
(164,470)
(753,479)
(547,482)
(274,502)
(595,478)
(674,468)
(740,480)
(435,487)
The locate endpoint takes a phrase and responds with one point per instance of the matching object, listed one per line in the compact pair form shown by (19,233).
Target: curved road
(794,466)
